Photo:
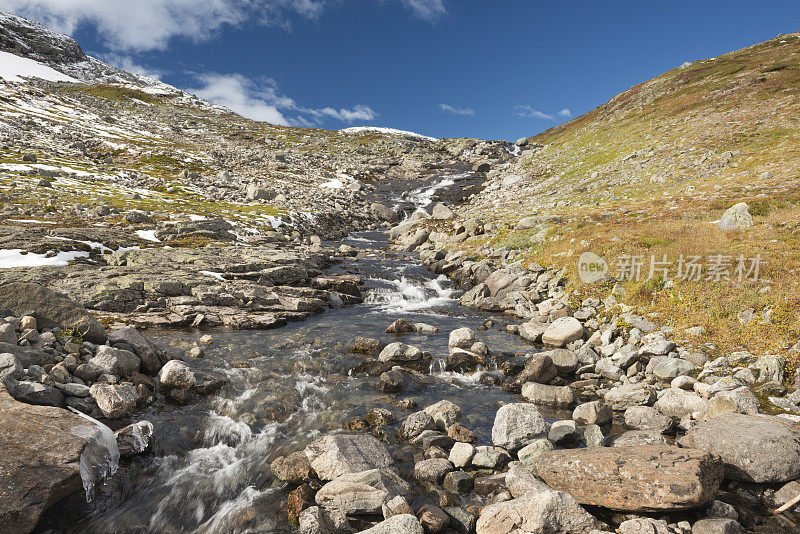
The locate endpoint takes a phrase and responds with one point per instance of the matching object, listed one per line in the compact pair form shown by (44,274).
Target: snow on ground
(148,235)
(15,258)
(334,183)
(15,69)
(391,131)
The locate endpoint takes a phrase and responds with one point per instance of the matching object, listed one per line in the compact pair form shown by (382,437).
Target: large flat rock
(754,448)
(340,454)
(635,479)
(39,461)
(51,309)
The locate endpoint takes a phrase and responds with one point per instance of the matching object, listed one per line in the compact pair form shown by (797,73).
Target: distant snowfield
(391,131)
(15,69)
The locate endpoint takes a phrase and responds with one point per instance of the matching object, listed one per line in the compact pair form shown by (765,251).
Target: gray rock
(10,366)
(628,395)
(335,455)
(545,511)
(678,403)
(644,525)
(736,217)
(673,367)
(516,425)
(145,349)
(592,413)
(115,361)
(561,396)
(398,524)
(659,347)
(135,438)
(432,470)
(442,212)
(562,331)
(717,525)
(444,413)
(36,393)
(362,492)
(399,352)
(461,454)
(114,401)
(639,438)
(490,457)
(416,423)
(51,309)
(462,338)
(753,448)
(647,418)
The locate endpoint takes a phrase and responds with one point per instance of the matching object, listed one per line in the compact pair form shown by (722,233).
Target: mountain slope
(651,172)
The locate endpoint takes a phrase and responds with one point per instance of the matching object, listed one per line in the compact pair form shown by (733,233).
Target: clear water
(208,471)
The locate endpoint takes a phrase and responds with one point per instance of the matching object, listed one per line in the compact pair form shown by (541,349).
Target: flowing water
(208,471)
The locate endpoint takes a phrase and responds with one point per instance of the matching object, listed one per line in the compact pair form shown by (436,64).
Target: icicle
(100,457)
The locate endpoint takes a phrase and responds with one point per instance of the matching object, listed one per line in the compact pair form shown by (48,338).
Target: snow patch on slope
(390,131)
(15,69)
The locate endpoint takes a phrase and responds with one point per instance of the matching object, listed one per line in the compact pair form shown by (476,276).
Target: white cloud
(150,24)
(260,100)
(137,25)
(426,9)
(526,111)
(566,113)
(457,111)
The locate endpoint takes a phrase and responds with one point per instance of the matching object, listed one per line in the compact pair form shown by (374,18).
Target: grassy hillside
(649,173)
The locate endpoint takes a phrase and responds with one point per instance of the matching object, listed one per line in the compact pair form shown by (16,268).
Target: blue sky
(445,68)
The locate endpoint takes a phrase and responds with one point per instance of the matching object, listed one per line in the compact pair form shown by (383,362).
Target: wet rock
(293,468)
(39,460)
(379,416)
(644,479)
(426,329)
(759,449)
(134,439)
(400,326)
(536,511)
(462,338)
(392,381)
(177,375)
(366,345)
(362,492)
(145,349)
(114,401)
(516,425)
(335,455)
(562,331)
(558,396)
(400,353)
(51,309)
(398,524)
(300,499)
(432,470)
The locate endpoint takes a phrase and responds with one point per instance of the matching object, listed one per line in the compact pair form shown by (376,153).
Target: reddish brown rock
(635,479)
(293,468)
(400,326)
(459,433)
(301,498)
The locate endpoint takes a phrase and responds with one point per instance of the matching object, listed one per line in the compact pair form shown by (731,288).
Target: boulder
(444,413)
(134,439)
(37,393)
(51,309)
(592,413)
(736,217)
(753,448)
(397,524)
(516,425)
(626,396)
(39,460)
(678,403)
(116,362)
(145,349)
(177,375)
(545,511)
(717,525)
(335,455)
(362,492)
(562,331)
(647,418)
(560,396)
(114,401)
(400,352)
(462,338)
(640,479)
(442,213)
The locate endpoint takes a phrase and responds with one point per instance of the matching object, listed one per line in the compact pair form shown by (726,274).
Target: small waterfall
(403,295)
